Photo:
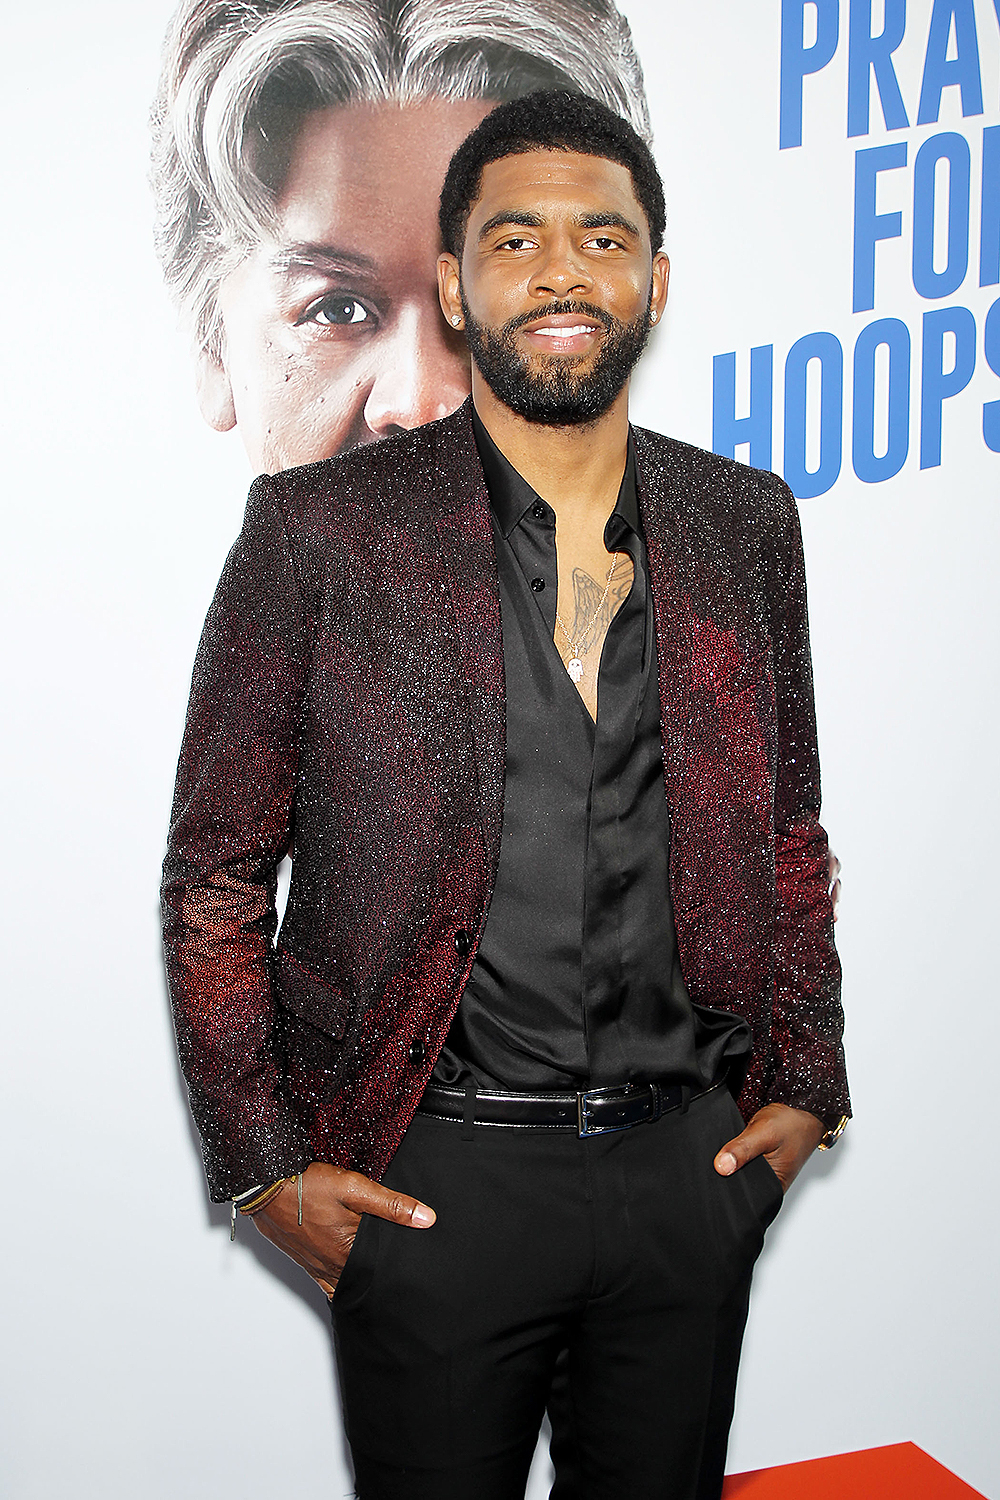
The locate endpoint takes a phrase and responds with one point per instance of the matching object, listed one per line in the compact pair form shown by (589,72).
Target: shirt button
(417,1052)
(537,585)
(463,943)
(538,511)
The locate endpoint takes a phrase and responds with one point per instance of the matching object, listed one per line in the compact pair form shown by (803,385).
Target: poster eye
(337,311)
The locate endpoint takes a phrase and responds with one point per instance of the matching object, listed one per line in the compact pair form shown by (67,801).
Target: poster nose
(421,376)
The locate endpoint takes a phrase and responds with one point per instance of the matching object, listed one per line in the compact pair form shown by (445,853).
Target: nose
(562,272)
(423,374)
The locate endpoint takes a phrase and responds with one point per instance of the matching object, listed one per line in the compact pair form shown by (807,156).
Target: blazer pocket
(310,998)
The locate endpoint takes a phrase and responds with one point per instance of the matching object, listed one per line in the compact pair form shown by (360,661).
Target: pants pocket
(759,1180)
(359,1269)
(763,1188)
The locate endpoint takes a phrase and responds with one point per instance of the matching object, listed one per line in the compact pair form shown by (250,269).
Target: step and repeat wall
(832,170)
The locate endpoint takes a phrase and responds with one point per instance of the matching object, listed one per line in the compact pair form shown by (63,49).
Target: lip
(563,333)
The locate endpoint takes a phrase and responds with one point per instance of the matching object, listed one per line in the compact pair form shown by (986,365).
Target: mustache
(560,309)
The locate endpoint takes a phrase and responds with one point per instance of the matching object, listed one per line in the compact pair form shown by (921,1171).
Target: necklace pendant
(575,669)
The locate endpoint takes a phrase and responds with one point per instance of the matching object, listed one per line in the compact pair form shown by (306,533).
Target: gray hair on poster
(238,78)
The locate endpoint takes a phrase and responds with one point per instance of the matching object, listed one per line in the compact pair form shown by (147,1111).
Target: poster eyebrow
(306,256)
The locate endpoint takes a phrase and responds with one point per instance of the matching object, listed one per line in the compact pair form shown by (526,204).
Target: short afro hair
(547,120)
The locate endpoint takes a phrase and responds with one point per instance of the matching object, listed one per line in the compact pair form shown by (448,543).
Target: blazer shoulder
(373,487)
(716,486)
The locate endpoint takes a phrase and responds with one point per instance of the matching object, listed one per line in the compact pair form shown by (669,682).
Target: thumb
(737,1152)
(369,1197)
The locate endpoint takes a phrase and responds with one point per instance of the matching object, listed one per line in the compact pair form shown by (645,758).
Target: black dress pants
(627,1250)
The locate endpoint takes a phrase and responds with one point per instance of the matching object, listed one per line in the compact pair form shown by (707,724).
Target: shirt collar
(511,496)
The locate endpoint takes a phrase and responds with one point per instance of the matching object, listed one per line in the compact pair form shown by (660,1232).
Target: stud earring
(456,319)
(653,315)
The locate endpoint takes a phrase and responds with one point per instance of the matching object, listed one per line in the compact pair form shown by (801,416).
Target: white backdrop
(146,1357)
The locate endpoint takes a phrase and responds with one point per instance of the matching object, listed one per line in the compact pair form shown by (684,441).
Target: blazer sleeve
(231,822)
(807,1020)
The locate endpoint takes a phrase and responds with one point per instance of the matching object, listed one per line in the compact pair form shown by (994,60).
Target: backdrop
(835,237)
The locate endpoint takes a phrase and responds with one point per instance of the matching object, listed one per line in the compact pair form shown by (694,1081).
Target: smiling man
(556,984)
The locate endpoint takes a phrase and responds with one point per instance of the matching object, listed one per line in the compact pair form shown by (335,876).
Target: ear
(450,289)
(661,276)
(215,394)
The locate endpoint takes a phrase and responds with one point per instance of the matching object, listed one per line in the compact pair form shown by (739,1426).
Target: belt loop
(469,1111)
(657,1093)
(685,1097)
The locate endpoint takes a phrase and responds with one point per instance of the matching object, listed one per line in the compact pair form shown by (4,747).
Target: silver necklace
(575,666)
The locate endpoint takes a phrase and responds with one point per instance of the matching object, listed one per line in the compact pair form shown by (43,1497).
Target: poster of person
(299,150)
(219,262)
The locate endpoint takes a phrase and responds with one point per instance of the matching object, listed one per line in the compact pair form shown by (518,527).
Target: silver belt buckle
(583,1126)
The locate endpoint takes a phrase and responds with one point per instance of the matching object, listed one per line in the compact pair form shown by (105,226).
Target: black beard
(556,395)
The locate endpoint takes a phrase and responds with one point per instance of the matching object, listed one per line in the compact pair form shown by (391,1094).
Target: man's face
(333,333)
(557,284)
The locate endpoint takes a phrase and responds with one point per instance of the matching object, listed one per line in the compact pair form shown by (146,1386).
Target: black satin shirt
(577,982)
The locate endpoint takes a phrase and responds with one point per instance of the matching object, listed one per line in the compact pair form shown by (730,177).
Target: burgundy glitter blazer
(348,695)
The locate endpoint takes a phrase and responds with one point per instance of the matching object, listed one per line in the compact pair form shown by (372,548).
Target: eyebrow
(521,217)
(528,219)
(608,221)
(309,257)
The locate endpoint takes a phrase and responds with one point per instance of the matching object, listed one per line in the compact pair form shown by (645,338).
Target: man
(299,151)
(516,986)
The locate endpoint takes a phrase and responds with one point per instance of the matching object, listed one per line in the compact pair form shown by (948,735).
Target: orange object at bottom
(900,1472)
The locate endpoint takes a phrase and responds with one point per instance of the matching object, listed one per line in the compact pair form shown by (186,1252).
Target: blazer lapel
(661,499)
(468,553)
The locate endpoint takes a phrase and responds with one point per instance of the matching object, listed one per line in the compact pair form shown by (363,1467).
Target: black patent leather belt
(593,1112)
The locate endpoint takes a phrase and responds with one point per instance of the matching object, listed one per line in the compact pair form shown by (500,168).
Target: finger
(727,1161)
(366,1197)
(753,1141)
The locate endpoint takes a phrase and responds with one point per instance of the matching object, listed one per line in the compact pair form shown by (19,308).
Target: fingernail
(423,1217)
(726,1164)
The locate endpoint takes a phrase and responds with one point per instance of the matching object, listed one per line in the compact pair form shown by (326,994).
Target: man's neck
(577,470)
